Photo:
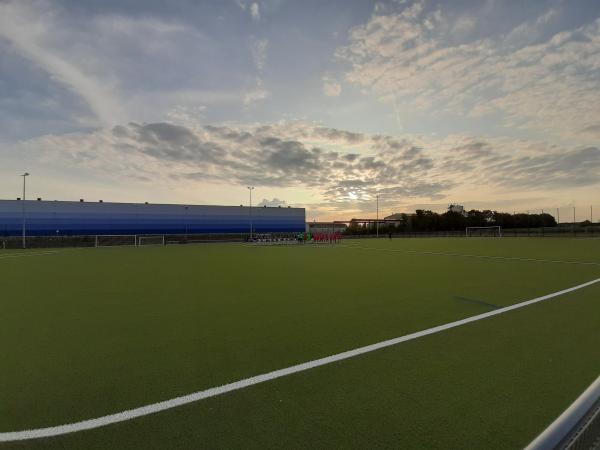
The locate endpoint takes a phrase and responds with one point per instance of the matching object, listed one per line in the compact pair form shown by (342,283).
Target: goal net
(150,240)
(115,240)
(495,231)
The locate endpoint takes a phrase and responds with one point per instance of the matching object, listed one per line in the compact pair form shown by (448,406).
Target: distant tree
(426,220)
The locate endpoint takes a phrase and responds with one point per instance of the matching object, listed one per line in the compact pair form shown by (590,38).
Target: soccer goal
(494,231)
(150,240)
(110,240)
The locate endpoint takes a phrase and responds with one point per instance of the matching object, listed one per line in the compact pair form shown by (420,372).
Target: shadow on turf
(477,302)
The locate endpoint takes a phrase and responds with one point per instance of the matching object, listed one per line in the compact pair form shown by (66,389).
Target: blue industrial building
(59,218)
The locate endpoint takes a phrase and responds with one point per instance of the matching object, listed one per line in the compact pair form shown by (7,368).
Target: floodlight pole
(377,225)
(25,175)
(186,222)
(250,188)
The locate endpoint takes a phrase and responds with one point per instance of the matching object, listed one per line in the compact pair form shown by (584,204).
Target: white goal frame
(118,239)
(498,227)
(158,239)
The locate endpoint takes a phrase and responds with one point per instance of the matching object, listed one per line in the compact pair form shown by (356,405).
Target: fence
(559,231)
(16,242)
(569,214)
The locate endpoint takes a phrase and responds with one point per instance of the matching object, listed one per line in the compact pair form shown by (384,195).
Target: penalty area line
(246,382)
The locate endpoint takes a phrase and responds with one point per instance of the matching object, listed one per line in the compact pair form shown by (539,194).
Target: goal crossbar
(151,240)
(112,240)
(493,228)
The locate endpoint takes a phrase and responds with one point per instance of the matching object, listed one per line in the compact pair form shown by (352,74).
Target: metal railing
(577,428)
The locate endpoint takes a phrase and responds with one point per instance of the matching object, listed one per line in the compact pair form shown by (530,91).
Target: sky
(492,104)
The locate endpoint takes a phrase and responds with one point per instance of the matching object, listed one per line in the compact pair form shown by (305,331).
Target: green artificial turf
(90,332)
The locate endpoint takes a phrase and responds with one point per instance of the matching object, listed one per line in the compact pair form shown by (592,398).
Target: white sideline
(467,255)
(21,255)
(212,392)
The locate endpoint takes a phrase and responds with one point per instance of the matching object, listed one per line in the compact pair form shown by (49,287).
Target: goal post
(150,240)
(113,240)
(492,231)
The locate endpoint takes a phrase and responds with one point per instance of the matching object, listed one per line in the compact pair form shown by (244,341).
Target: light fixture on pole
(250,188)
(25,175)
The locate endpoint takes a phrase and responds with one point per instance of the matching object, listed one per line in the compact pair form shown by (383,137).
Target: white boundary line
(466,255)
(246,382)
(21,255)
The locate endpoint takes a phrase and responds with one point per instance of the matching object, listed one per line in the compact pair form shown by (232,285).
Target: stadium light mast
(250,188)
(25,175)
(186,222)
(377,217)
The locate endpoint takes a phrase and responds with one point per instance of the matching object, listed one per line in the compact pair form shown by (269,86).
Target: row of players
(320,237)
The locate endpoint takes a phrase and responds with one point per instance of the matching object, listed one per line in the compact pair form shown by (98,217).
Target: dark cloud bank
(351,165)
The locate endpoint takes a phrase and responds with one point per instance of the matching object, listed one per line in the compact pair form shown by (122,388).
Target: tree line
(426,220)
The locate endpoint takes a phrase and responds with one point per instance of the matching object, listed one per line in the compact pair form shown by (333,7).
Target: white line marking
(212,392)
(21,255)
(466,255)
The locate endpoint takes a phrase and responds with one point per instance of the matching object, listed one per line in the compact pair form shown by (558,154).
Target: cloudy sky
(488,103)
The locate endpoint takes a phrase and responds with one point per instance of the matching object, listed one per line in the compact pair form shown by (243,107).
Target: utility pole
(25,175)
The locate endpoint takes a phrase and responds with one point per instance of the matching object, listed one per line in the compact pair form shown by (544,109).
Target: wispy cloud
(331,87)
(258,49)
(132,67)
(272,203)
(252,7)
(256,94)
(413,55)
(255,11)
(30,28)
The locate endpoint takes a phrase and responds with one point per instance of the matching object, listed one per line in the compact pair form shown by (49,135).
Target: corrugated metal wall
(48,218)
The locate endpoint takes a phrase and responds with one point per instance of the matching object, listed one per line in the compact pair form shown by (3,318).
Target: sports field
(86,333)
